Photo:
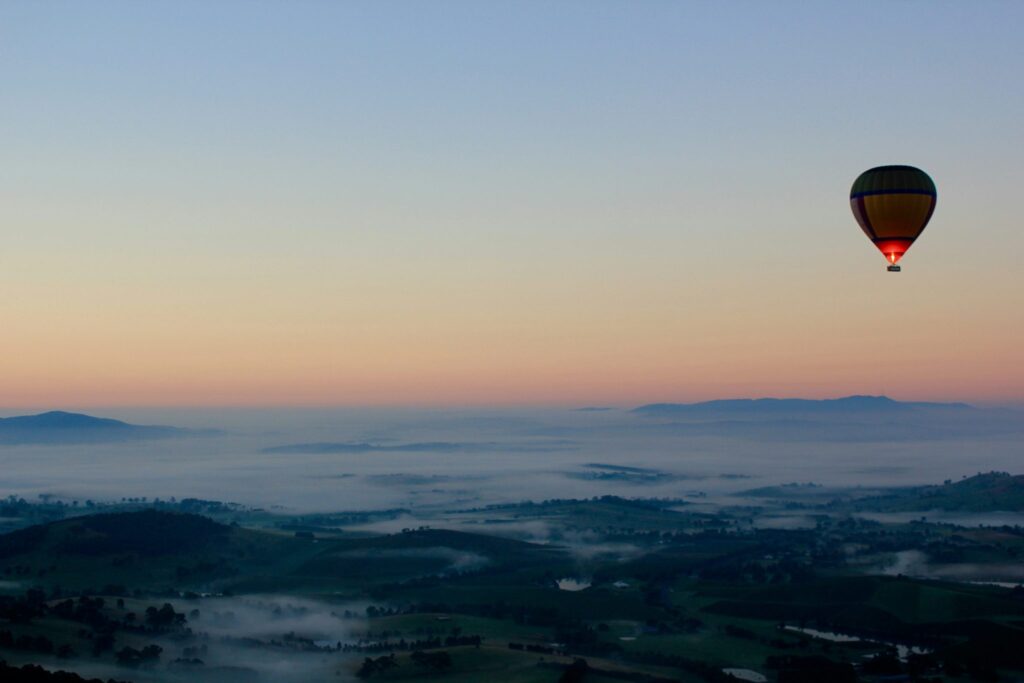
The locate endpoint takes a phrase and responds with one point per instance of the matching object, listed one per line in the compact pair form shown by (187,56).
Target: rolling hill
(988,492)
(59,427)
(154,550)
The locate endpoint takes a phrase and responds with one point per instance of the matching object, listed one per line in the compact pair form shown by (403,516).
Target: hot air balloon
(892,205)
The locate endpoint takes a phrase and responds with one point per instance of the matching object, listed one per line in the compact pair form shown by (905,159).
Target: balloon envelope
(893,205)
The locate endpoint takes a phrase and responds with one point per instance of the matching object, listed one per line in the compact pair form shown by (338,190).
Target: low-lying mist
(258,639)
(498,456)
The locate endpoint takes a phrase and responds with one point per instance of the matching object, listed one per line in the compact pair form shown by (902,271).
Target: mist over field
(267,637)
(362,459)
(394,544)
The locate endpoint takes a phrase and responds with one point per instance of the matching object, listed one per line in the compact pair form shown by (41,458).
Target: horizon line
(595,406)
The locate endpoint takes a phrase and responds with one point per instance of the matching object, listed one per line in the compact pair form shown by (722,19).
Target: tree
(576,672)
(371,666)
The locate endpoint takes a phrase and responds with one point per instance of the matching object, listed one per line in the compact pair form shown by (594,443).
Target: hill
(791,407)
(146,533)
(154,549)
(989,492)
(146,549)
(32,673)
(849,419)
(59,427)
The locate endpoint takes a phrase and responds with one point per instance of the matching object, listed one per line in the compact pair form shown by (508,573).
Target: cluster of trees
(631,503)
(85,610)
(22,609)
(52,507)
(330,522)
(26,643)
(372,667)
(533,647)
(533,615)
(431,661)
(402,645)
(583,639)
(165,617)
(758,571)
(129,656)
(91,612)
(30,673)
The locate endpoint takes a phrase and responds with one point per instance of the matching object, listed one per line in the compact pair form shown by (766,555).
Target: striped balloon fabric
(893,205)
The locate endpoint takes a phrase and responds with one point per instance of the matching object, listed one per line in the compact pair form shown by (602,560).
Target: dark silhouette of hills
(146,549)
(33,673)
(154,548)
(59,427)
(791,407)
(144,532)
(847,419)
(987,492)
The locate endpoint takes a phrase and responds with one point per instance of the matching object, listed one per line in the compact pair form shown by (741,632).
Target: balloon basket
(893,269)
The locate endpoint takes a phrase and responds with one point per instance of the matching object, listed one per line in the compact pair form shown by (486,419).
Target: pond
(902,651)
(572,584)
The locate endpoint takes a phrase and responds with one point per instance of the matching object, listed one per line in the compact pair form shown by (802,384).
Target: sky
(502,203)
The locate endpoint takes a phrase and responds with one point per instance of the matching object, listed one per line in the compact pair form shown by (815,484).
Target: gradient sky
(235,203)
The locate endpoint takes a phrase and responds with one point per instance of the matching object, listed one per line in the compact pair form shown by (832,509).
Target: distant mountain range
(791,407)
(58,427)
(851,418)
